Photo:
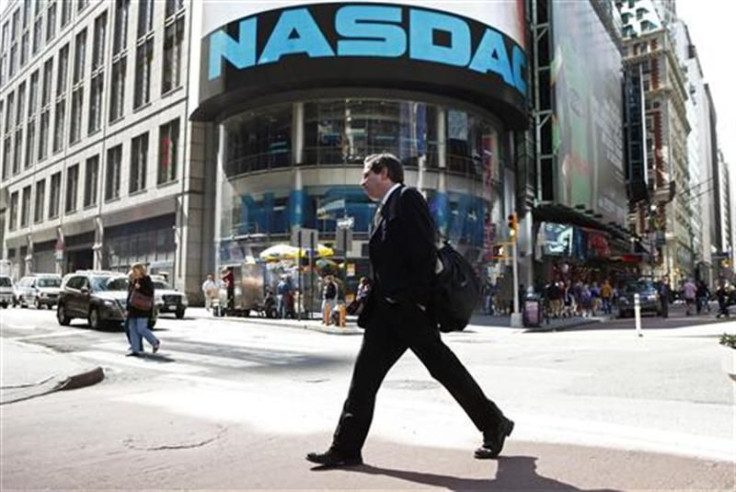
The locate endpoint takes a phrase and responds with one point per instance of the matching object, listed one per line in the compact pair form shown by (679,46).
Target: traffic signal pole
(516,317)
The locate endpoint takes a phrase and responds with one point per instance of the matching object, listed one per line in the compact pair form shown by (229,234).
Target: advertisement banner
(586,76)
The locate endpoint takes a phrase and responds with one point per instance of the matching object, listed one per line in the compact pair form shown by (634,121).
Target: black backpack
(457,290)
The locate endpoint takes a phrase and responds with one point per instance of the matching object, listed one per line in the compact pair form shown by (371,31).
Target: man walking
(398,316)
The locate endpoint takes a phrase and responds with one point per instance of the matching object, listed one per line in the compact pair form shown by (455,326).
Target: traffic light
(513,225)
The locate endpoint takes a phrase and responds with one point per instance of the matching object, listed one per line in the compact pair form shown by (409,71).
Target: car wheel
(21,303)
(179,313)
(61,316)
(4,305)
(94,319)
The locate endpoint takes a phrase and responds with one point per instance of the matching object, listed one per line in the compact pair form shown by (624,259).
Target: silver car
(39,290)
(6,291)
(169,299)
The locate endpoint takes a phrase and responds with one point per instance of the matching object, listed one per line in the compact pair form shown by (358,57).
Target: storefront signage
(371,31)
(343,45)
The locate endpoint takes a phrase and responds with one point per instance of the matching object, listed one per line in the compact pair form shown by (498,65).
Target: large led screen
(586,75)
(278,50)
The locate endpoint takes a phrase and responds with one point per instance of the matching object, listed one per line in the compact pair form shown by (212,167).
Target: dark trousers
(391,331)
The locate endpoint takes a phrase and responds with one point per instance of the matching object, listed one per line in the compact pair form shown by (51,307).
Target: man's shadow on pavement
(514,473)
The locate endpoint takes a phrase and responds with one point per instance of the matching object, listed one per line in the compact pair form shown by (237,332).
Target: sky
(709,22)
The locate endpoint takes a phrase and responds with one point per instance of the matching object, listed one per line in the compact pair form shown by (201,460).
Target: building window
(59,115)
(98,49)
(17,151)
(145,16)
(112,172)
(20,113)
(66,12)
(37,31)
(13,222)
(91,173)
(30,142)
(143,61)
(43,136)
(82,4)
(24,49)
(47,74)
(168,151)
(80,49)
(117,94)
(172,56)
(120,35)
(138,161)
(63,69)
(75,132)
(72,188)
(173,6)
(40,198)
(25,207)
(9,112)
(95,104)
(26,13)
(7,156)
(55,197)
(33,95)
(51,22)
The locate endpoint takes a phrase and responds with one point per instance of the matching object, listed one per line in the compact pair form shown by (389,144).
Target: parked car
(169,299)
(6,291)
(649,301)
(39,290)
(98,296)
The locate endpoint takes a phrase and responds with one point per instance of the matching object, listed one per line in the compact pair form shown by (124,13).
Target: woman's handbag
(355,307)
(141,301)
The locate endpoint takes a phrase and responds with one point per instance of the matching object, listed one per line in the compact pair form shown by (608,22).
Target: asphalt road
(237,405)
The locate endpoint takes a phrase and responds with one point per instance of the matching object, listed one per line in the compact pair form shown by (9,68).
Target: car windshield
(99,283)
(117,283)
(158,284)
(639,287)
(48,282)
(5,282)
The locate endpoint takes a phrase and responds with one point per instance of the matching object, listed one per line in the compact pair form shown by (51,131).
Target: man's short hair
(389,161)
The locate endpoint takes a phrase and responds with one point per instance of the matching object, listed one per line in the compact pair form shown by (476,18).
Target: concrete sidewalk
(30,370)
(479,321)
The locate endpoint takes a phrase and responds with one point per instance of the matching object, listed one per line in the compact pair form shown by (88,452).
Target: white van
(6,291)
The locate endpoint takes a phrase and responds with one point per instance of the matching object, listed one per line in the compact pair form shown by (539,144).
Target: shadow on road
(514,473)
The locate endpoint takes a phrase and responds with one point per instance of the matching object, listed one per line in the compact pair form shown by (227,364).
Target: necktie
(377,217)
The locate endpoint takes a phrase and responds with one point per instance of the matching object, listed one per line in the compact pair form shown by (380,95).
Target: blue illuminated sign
(375,31)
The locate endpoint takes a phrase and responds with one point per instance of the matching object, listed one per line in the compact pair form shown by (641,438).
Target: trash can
(532,311)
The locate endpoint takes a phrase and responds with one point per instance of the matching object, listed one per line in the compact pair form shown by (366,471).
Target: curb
(301,325)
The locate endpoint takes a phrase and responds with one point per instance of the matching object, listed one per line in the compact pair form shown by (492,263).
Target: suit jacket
(402,252)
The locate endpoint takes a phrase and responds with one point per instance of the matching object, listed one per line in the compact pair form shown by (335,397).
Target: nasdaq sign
(374,45)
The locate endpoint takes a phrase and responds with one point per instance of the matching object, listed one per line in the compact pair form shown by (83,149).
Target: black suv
(97,296)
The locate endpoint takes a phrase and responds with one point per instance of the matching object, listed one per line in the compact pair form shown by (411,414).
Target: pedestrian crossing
(181,356)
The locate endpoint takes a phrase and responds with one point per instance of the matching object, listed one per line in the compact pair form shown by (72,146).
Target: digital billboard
(586,76)
(466,54)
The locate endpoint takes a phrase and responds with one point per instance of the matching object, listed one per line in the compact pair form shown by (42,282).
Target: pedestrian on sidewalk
(606,296)
(329,298)
(139,309)
(689,292)
(210,291)
(398,316)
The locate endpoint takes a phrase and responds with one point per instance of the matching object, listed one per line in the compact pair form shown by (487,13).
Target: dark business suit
(403,256)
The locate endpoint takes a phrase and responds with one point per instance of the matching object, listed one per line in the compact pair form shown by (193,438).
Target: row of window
(14,110)
(138,170)
(16,36)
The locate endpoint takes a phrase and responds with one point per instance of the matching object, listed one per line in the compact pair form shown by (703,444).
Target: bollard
(637,314)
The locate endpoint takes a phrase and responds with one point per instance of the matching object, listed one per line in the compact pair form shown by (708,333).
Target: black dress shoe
(493,440)
(333,459)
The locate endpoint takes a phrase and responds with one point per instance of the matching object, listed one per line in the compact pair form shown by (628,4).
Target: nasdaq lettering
(370,31)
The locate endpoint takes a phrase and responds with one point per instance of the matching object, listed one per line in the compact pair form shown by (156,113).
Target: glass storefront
(261,197)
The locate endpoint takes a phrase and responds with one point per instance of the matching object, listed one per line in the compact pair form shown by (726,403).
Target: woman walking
(139,309)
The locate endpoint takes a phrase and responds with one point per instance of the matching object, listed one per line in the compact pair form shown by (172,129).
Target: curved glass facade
(299,164)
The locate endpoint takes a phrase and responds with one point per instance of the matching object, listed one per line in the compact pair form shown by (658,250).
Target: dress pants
(391,331)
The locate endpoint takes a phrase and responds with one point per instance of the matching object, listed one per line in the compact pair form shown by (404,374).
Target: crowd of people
(565,298)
